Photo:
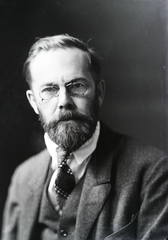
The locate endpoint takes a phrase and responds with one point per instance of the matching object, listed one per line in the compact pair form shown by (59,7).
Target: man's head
(65,89)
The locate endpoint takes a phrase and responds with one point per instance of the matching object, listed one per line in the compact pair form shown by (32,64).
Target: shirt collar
(80,154)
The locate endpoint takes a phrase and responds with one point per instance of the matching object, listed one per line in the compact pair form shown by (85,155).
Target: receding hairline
(62,42)
(84,54)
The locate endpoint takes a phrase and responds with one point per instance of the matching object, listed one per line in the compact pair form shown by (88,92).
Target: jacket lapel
(33,194)
(96,186)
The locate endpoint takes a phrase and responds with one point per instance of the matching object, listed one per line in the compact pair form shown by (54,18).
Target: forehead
(60,64)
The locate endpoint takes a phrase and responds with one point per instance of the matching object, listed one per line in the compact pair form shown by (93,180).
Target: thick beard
(72,129)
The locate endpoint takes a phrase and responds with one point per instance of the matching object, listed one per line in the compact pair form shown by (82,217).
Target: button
(60,212)
(57,208)
(63,233)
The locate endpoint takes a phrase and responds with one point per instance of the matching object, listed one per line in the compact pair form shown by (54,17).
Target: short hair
(62,41)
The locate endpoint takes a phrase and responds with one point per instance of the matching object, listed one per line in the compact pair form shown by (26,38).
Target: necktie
(65,181)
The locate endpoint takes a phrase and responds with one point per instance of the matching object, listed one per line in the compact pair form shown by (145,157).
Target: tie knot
(61,154)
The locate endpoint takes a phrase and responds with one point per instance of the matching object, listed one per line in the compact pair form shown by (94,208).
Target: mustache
(69,115)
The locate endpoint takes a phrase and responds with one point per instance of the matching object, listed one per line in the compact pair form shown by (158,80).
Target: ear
(32,100)
(101,91)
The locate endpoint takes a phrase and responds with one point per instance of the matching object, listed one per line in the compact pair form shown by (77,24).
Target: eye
(49,92)
(77,85)
(77,88)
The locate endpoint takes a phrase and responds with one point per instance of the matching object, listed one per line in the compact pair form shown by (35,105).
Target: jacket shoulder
(33,165)
(139,150)
(130,148)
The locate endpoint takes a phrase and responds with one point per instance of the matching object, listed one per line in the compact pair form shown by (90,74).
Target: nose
(65,101)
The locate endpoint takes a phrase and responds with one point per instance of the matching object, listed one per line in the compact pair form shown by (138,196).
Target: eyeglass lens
(73,89)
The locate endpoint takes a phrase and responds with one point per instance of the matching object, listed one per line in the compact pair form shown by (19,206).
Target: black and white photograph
(84,119)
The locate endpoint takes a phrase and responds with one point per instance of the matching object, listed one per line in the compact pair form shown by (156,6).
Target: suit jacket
(124,196)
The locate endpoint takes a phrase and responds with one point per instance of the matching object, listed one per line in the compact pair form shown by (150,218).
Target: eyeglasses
(73,88)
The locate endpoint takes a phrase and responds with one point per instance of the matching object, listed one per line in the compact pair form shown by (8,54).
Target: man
(90,183)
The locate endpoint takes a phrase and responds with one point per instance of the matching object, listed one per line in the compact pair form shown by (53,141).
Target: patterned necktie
(65,181)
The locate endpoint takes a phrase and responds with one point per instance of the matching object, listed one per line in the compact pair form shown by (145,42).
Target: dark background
(131,36)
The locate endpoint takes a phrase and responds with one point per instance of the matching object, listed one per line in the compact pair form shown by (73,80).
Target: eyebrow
(76,79)
(47,85)
(70,81)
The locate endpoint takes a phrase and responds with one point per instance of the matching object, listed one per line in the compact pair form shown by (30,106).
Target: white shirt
(78,160)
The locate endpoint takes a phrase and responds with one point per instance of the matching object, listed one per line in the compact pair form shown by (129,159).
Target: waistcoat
(52,226)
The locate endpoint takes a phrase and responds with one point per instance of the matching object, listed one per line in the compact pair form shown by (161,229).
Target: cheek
(83,105)
(48,111)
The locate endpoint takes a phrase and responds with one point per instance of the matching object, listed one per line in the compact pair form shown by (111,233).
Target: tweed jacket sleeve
(153,213)
(12,211)
(24,194)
